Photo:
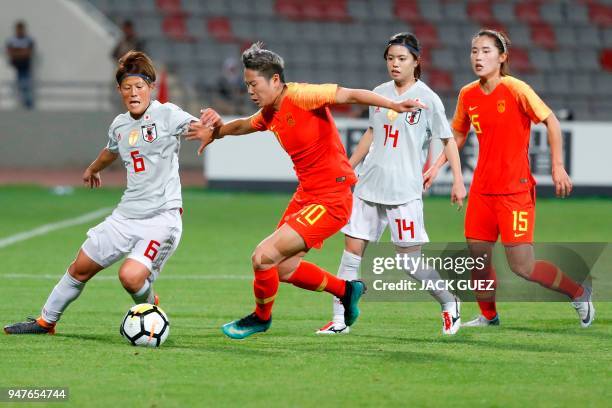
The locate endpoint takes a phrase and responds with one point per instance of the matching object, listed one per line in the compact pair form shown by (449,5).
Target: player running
(501,108)
(146,225)
(299,116)
(390,187)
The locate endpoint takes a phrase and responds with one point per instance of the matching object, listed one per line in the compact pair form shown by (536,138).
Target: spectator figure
(20,51)
(129,42)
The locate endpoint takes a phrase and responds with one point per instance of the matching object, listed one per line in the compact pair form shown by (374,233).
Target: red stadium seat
(606,59)
(289,9)
(220,28)
(337,11)
(528,11)
(481,11)
(175,27)
(519,60)
(600,14)
(427,34)
(543,35)
(408,10)
(440,80)
(169,6)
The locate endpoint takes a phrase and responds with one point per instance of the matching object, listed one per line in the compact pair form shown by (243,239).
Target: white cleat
(451,317)
(482,321)
(334,328)
(584,307)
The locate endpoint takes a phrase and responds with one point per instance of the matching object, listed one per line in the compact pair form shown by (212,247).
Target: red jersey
(502,123)
(305,128)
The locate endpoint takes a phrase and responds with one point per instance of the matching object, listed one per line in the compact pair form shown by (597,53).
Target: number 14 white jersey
(392,171)
(149,149)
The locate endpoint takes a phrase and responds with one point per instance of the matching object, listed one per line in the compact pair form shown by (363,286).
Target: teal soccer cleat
(354,290)
(243,328)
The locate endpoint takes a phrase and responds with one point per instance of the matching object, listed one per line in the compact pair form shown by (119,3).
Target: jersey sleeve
(113,143)
(530,102)
(312,96)
(461,120)
(439,123)
(178,120)
(257,122)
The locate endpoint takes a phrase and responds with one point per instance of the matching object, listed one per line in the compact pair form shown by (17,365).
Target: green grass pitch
(394,356)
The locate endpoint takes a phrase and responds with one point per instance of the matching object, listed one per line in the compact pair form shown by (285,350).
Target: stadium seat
(565,60)
(540,59)
(565,35)
(407,10)
(455,11)
(288,8)
(427,34)
(175,27)
(431,10)
(440,80)
(581,84)
(553,12)
(358,9)
(481,11)
(607,37)
(606,59)
(588,37)
(169,6)
(528,11)
(519,60)
(220,28)
(543,35)
(444,58)
(600,14)
(503,11)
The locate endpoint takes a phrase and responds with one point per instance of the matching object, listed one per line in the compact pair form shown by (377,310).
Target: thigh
(366,222)
(480,218)
(108,241)
(516,217)
(156,239)
(407,224)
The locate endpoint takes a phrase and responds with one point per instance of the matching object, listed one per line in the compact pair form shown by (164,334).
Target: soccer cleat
(354,290)
(243,328)
(584,307)
(482,321)
(31,326)
(451,317)
(334,328)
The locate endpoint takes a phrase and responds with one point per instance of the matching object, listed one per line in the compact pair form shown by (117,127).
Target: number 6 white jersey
(391,173)
(149,149)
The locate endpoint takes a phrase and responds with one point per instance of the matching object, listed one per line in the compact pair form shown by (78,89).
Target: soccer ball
(145,325)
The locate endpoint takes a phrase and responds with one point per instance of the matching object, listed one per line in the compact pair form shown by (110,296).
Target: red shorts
(511,215)
(318,217)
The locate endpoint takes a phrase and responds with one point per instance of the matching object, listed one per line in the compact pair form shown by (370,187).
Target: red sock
(309,276)
(549,276)
(486,299)
(265,287)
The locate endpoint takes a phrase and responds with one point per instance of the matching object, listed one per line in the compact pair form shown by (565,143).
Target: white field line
(168,276)
(45,229)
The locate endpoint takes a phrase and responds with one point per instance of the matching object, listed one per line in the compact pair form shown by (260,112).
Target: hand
(429,177)
(198,131)
(91,179)
(563,183)
(209,117)
(458,194)
(408,105)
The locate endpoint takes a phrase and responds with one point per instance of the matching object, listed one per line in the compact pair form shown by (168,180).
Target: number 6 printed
(138,161)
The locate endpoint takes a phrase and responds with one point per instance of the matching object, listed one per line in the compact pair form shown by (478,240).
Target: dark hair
(502,43)
(266,62)
(135,63)
(409,41)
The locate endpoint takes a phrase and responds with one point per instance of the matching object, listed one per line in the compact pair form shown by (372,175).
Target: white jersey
(149,149)
(391,173)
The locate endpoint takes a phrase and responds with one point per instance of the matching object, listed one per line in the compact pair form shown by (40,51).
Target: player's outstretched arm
(211,127)
(362,148)
(365,97)
(91,176)
(561,180)
(431,174)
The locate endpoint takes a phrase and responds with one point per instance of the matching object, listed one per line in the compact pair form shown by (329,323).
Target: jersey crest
(149,132)
(413,117)
(501,105)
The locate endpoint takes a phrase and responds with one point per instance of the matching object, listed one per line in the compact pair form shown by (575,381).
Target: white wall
(71,44)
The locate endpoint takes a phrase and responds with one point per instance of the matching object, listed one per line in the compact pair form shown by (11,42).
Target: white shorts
(150,241)
(369,220)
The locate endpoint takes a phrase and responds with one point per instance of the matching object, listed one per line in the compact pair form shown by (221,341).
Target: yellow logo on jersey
(391,115)
(501,105)
(133,137)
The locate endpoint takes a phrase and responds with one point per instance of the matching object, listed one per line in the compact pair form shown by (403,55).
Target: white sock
(144,294)
(66,290)
(348,270)
(424,274)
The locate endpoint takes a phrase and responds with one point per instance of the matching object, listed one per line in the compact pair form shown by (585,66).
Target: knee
(522,269)
(130,280)
(260,260)
(79,273)
(285,272)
